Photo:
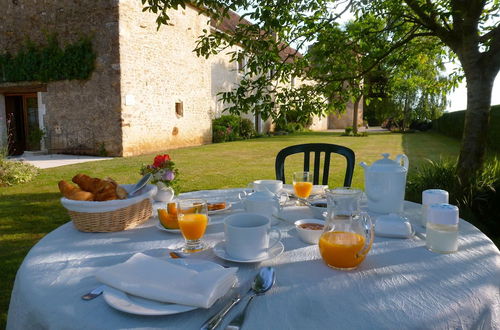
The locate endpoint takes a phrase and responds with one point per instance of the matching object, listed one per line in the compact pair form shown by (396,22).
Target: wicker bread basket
(111,216)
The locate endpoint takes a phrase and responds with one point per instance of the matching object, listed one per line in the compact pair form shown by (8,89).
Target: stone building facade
(148,92)
(76,115)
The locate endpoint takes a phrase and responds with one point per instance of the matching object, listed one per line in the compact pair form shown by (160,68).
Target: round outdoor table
(400,284)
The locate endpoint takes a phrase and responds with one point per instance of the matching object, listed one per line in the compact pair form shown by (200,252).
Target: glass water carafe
(348,234)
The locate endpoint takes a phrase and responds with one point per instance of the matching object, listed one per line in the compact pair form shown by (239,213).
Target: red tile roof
(229,24)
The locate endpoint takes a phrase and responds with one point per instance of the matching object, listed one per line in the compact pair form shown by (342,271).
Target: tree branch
(493,54)
(428,22)
(410,36)
(493,34)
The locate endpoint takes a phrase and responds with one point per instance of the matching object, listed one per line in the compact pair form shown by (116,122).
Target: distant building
(149,91)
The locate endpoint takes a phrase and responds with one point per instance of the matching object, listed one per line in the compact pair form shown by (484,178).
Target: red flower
(160,159)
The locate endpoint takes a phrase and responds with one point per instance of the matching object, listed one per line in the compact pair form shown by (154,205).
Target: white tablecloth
(400,284)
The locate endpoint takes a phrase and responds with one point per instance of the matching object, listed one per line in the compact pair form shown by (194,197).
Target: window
(179,109)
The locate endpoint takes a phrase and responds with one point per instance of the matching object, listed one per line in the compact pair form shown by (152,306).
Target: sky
(458,97)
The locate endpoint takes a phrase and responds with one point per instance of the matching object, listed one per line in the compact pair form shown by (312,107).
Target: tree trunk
(475,134)
(355,116)
(405,113)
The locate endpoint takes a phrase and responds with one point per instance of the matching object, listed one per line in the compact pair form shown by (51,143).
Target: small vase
(164,194)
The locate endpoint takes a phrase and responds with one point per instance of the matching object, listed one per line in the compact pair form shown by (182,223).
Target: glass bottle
(442,228)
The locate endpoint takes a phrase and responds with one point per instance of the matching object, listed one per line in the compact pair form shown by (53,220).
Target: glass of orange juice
(192,215)
(302,184)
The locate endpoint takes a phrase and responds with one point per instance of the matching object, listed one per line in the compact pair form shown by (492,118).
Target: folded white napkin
(164,281)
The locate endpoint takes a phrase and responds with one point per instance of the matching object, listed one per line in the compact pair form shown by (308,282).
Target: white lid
(442,213)
(387,165)
(262,195)
(434,196)
(393,225)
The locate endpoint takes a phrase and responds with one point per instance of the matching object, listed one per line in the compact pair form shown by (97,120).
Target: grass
(30,211)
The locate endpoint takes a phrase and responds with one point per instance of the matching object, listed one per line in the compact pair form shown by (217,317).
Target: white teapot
(262,202)
(385,183)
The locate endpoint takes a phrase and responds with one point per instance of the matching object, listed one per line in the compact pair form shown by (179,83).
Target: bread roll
(72,192)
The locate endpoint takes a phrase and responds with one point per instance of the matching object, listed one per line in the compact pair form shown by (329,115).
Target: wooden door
(15,125)
(22,120)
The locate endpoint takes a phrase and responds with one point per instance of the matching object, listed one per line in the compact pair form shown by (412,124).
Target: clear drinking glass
(302,184)
(192,215)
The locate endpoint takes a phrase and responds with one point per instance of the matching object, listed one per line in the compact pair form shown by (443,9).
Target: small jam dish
(310,230)
(318,209)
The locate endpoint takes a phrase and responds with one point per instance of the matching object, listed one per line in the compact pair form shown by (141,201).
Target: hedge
(452,124)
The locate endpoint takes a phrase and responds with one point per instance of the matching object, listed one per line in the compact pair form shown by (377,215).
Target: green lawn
(29,211)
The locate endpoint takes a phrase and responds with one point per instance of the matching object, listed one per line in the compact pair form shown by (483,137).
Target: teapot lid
(387,165)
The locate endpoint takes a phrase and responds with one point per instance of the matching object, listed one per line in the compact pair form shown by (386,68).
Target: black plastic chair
(317,148)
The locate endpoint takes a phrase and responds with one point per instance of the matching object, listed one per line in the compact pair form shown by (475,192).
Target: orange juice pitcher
(348,234)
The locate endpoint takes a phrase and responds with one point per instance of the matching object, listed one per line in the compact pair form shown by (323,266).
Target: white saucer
(141,306)
(220,251)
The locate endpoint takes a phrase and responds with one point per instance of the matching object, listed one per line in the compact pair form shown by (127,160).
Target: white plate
(174,231)
(316,190)
(140,306)
(228,206)
(220,251)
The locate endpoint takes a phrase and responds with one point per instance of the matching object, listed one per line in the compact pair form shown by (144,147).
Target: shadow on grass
(24,220)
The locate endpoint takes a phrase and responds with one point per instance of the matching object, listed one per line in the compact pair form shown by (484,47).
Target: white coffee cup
(247,236)
(274,186)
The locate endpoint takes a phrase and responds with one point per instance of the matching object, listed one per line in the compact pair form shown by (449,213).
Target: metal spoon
(262,283)
(94,293)
(139,185)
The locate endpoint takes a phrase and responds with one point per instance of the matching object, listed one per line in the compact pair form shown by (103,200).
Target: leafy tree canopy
(470,30)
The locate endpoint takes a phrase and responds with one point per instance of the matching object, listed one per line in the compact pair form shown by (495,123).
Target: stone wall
(81,116)
(344,119)
(159,69)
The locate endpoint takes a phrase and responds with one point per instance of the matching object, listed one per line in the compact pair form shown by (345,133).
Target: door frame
(25,96)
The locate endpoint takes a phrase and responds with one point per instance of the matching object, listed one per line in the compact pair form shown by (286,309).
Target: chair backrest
(317,148)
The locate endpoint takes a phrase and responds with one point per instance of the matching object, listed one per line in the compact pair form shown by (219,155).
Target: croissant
(87,183)
(102,190)
(121,193)
(106,191)
(71,192)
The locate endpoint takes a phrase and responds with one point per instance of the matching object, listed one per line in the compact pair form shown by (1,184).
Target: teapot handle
(369,230)
(244,194)
(405,160)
